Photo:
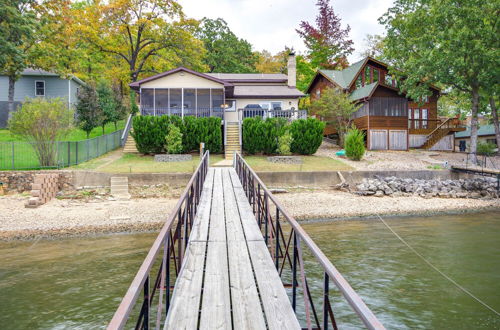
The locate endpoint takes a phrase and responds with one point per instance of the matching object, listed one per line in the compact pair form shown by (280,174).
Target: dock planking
(228,279)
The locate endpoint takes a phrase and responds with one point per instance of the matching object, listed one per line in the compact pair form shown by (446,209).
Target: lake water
(78,283)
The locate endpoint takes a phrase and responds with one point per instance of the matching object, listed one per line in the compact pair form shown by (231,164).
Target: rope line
(437,270)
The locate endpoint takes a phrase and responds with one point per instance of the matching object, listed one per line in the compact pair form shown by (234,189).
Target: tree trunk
(473,124)
(10,104)
(494,114)
(116,126)
(103,129)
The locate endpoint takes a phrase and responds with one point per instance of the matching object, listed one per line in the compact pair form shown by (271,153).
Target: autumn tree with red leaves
(327,43)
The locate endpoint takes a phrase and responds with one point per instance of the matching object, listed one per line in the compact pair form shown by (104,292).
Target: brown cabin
(390,120)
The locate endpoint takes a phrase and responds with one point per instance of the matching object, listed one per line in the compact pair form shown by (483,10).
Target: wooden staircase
(232,141)
(130,146)
(437,134)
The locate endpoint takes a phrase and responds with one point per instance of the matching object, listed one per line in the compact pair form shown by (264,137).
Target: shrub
(354,144)
(42,121)
(307,135)
(149,133)
(486,148)
(262,135)
(173,140)
(284,144)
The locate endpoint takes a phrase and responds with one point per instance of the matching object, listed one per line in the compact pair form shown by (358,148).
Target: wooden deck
(228,279)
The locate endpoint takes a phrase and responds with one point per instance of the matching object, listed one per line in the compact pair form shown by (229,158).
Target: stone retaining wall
(462,188)
(21,181)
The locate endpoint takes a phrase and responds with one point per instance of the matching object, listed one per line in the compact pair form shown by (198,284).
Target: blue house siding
(25,87)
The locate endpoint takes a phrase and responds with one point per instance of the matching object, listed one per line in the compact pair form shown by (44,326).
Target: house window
(217,99)
(175,101)
(39,88)
(276,105)
(189,101)
(367,75)
(375,75)
(359,82)
(318,93)
(265,106)
(492,141)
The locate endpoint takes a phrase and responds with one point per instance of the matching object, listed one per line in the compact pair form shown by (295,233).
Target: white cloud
(271,24)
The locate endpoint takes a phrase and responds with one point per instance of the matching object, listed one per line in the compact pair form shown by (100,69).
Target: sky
(271,24)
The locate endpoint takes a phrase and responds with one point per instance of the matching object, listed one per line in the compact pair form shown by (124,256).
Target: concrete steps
(232,140)
(130,146)
(119,187)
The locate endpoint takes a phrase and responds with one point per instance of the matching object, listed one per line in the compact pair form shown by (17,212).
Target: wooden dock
(228,278)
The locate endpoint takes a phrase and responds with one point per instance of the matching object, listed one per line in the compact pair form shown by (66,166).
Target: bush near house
(354,144)
(485,148)
(307,135)
(261,136)
(149,133)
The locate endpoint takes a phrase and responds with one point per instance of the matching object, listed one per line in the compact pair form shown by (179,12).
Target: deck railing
(287,251)
(196,112)
(263,113)
(151,287)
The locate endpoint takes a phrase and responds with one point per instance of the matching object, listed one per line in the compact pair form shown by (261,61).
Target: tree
(327,43)
(305,73)
(269,63)
(147,36)
(374,47)
(355,144)
(18,23)
(334,107)
(89,113)
(42,122)
(225,51)
(108,105)
(454,43)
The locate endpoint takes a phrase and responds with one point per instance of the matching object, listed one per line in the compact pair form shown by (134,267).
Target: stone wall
(462,188)
(21,181)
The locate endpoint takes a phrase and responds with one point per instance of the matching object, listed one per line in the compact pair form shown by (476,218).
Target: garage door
(378,139)
(398,140)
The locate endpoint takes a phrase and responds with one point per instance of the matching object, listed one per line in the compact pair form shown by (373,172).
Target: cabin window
(389,106)
(359,82)
(367,75)
(39,88)
(318,93)
(147,99)
(375,75)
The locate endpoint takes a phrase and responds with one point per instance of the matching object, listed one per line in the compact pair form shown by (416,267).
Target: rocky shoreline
(62,218)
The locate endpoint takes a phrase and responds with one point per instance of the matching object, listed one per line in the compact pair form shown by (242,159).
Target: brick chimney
(292,70)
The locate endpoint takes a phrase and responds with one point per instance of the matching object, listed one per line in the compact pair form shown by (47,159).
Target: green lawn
(76,134)
(310,164)
(26,158)
(133,163)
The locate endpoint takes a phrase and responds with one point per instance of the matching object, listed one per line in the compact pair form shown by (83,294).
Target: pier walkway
(230,257)
(226,260)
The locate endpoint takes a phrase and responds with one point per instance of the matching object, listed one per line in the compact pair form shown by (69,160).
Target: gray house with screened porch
(37,83)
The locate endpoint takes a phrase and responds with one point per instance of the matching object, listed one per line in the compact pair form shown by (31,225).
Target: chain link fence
(49,155)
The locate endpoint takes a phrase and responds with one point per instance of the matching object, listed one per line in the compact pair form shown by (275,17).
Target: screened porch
(198,102)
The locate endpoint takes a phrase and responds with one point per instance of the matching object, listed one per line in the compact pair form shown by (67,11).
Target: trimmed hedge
(262,135)
(307,135)
(149,133)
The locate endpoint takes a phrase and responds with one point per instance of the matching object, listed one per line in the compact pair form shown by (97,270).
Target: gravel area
(337,204)
(414,159)
(82,217)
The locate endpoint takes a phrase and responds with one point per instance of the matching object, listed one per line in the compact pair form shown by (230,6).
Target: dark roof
(250,77)
(137,84)
(251,91)
(482,131)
